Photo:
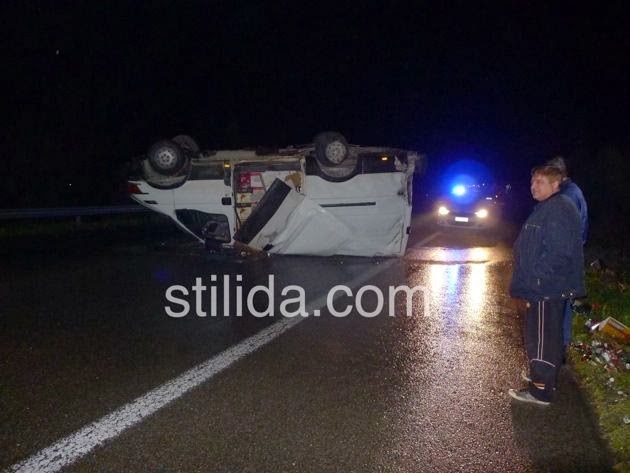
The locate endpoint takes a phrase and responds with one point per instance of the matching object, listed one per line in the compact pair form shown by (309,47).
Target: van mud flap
(286,222)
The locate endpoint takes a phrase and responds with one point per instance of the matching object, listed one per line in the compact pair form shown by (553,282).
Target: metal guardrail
(77,212)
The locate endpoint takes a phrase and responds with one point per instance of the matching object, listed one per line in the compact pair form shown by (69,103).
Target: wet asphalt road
(84,331)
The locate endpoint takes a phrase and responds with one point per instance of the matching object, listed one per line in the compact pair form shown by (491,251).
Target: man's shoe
(524,395)
(525,377)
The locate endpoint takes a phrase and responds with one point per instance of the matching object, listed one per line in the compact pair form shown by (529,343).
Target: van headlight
(443,210)
(481,213)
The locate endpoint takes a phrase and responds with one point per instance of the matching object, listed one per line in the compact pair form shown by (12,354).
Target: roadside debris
(611,327)
(609,349)
(615,329)
(610,356)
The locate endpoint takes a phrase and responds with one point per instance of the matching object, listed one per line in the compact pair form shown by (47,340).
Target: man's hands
(521,305)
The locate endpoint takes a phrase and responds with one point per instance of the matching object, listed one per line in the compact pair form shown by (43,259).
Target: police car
(475,206)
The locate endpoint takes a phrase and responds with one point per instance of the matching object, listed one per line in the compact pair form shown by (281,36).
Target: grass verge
(601,361)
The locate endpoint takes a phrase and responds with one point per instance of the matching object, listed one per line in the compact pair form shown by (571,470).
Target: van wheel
(166,158)
(349,169)
(331,148)
(188,144)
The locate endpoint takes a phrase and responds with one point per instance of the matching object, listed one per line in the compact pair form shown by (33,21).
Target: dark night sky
(90,84)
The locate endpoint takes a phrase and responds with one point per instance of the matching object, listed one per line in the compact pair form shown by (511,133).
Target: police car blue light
(458,190)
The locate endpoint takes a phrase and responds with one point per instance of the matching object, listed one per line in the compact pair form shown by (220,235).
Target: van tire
(331,148)
(343,173)
(166,158)
(188,144)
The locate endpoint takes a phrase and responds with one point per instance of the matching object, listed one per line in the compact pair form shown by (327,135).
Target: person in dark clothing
(573,192)
(548,270)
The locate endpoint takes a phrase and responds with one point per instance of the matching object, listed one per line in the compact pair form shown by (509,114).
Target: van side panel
(374,206)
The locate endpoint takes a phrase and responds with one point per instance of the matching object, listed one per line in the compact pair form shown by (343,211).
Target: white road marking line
(75,446)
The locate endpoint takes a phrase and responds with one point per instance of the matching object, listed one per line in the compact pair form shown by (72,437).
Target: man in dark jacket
(548,270)
(573,192)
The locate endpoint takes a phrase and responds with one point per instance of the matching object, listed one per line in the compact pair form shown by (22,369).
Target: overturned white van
(324,198)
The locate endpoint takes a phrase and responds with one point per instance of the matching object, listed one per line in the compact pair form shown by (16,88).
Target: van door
(204,205)
(251,180)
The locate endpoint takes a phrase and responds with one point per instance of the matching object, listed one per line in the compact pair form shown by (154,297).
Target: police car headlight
(481,213)
(443,211)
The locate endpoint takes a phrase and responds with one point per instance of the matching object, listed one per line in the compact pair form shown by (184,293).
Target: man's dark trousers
(543,342)
(567,324)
